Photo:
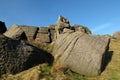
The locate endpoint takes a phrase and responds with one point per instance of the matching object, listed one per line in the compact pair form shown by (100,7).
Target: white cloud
(101,27)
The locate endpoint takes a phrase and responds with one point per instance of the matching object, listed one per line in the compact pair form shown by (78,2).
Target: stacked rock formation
(16,56)
(61,24)
(2,27)
(57,29)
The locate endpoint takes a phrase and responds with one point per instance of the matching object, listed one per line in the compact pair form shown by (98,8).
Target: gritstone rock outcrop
(73,47)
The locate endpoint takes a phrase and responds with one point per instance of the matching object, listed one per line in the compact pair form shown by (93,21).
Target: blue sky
(100,16)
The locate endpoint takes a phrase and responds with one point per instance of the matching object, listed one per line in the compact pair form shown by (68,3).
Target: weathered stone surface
(116,35)
(61,24)
(40,38)
(81,29)
(108,36)
(2,27)
(24,32)
(81,52)
(66,30)
(42,35)
(30,31)
(16,56)
(43,30)
(52,26)
(15,32)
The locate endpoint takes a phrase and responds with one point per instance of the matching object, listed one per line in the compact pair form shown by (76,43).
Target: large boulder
(82,53)
(15,32)
(16,56)
(116,35)
(2,27)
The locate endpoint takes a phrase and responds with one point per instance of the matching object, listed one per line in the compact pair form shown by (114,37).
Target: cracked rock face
(80,52)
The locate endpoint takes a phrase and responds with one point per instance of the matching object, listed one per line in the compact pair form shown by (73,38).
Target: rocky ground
(44,71)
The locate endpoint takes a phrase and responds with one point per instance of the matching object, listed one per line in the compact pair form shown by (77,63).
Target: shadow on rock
(17,56)
(35,59)
(106,59)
